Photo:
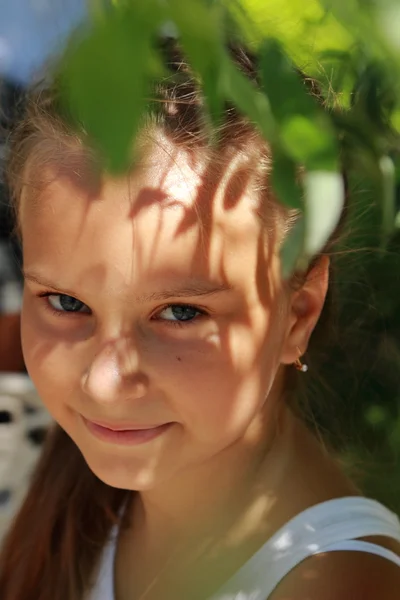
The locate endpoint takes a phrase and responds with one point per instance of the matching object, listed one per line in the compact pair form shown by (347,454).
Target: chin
(123,474)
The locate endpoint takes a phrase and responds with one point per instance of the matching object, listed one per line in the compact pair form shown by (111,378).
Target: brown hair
(55,543)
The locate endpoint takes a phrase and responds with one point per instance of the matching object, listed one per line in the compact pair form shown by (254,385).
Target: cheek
(218,391)
(48,360)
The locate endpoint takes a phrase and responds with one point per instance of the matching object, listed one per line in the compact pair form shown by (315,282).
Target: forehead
(174,209)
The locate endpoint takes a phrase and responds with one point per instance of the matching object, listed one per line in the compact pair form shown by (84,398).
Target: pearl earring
(299,365)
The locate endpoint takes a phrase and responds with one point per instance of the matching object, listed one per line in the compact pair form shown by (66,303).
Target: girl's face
(156,307)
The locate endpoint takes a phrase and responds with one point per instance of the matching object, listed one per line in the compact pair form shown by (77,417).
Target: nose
(114,374)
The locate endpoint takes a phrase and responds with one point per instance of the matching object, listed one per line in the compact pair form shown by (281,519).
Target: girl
(163,340)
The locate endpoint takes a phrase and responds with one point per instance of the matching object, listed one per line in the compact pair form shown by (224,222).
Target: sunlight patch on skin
(219,215)
(180,176)
(146,475)
(250,521)
(214,339)
(177,182)
(254,432)
(242,168)
(108,369)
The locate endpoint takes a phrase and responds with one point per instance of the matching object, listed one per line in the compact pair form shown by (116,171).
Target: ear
(304,310)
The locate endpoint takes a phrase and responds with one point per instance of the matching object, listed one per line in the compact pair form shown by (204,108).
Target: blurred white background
(23,424)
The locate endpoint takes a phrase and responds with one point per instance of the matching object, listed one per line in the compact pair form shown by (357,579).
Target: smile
(125,435)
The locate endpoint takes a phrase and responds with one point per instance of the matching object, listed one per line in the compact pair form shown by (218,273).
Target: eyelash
(180,324)
(56,313)
(168,323)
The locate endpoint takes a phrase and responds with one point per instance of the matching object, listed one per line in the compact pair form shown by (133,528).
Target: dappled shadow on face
(222,189)
(175,223)
(186,219)
(236,187)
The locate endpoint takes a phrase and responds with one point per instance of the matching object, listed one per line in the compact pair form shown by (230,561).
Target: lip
(123,426)
(125,434)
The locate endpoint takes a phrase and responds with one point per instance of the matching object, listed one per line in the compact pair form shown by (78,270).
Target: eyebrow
(190,289)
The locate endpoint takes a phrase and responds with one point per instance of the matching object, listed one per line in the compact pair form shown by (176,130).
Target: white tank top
(330,526)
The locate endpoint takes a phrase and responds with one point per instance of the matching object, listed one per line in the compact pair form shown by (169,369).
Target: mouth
(125,434)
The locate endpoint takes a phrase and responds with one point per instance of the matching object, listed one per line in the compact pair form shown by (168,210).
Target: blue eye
(64,303)
(179,313)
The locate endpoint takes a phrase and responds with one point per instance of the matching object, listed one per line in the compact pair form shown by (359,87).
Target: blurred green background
(353,390)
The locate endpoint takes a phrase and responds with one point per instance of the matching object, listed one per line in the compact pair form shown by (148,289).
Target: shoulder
(341,576)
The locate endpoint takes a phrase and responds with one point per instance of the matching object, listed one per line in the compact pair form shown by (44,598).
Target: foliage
(109,69)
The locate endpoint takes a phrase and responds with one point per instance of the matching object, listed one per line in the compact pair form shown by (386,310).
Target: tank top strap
(311,532)
(104,585)
(363,546)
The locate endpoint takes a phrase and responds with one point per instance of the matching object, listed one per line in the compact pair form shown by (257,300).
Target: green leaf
(106,81)
(324,200)
(286,92)
(250,101)
(201,34)
(306,131)
(389,22)
(388,172)
(304,28)
(292,248)
(309,143)
(284,179)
